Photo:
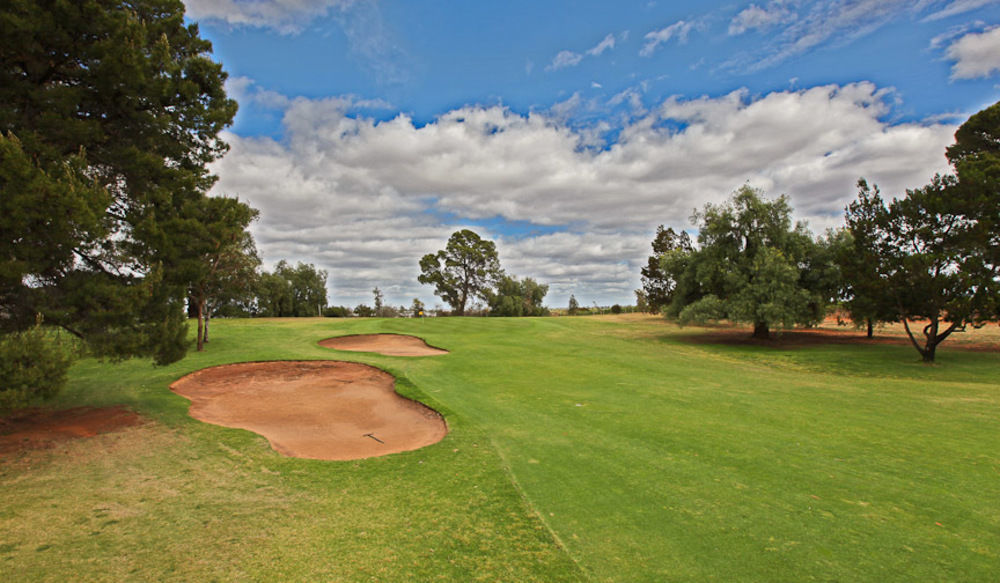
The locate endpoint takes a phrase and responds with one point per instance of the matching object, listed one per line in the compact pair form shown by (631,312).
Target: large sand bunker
(313,409)
(388,344)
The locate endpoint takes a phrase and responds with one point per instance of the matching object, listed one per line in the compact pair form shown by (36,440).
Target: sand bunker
(317,409)
(388,344)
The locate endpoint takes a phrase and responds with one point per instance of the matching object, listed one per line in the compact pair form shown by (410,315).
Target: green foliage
(33,366)
(467,268)
(657,283)
(219,255)
(864,277)
(109,115)
(616,309)
(364,311)
(928,254)
(933,254)
(574,306)
(515,298)
(298,291)
(417,308)
(337,312)
(751,266)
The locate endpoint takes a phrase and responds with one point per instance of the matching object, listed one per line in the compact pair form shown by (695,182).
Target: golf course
(578,449)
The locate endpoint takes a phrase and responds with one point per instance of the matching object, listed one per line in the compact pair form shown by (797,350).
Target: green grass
(601,449)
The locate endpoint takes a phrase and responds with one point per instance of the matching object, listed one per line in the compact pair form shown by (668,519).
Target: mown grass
(607,449)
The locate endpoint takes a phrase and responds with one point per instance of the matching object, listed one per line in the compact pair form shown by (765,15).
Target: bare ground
(387,344)
(313,409)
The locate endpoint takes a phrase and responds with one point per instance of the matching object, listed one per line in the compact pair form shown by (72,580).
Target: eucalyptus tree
(751,266)
(467,268)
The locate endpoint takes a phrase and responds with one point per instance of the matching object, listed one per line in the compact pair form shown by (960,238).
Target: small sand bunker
(313,409)
(387,344)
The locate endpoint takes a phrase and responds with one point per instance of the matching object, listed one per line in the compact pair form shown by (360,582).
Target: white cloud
(365,199)
(755,17)
(810,25)
(678,30)
(976,55)
(564,59)
(959,7)
(284,16)
(605,45)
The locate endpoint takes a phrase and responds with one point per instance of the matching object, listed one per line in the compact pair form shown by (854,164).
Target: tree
(110,112)
(417,308)
(934,254)
(574,306)
(298,291)
(518,298)
(467,268)
(380,309)
(657,284)
(363,311)
(931,261)
(751,266)
(224,258)
(863,279)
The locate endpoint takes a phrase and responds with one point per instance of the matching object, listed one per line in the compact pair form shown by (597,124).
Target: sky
(371,130)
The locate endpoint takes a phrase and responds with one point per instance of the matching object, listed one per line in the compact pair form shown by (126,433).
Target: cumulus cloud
(975,55)
(284,16)
(755,17)
(365,199)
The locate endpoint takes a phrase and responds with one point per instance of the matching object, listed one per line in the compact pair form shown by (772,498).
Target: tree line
(928,258)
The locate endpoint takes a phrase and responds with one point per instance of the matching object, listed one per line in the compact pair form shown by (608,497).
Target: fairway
(579,449)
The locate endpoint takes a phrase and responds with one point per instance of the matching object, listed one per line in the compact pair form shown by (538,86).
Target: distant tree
(224,258)
(379,301)
(616,309)
(274,295)
(417,308)
(751,266)
(515,298)
(338,312)
(574,306)
(298,291)
(363,311)
(641,305)
(658,284)
(465,269)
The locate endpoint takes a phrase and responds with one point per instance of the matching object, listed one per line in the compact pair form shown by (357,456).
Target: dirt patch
(313,409)
(44,428)
(387,344)
(892,334)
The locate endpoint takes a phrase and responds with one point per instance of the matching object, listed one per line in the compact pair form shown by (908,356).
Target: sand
(323,410)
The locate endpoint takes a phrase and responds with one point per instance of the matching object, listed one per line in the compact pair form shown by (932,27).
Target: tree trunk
(871,331)
(201,324)
(761,331)
(208,318)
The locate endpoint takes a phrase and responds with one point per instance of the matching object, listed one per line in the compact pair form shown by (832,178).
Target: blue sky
(566,131)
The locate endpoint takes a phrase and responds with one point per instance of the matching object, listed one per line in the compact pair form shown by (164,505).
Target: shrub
(338,312)
(33,365)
